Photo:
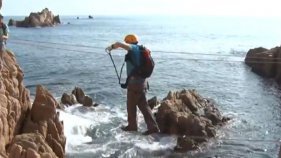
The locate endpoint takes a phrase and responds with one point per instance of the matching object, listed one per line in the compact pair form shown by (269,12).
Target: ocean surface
(202,53)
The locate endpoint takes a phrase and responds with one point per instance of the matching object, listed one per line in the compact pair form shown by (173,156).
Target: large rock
(264,62)
(18,116)
(44,119)
(190,116)
(152,102)
(40,19)
(14,99)
(77,96)
(32,145)
(68,99)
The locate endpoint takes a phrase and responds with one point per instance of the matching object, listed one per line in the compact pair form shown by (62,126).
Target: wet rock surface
(77,96)
(190,116)
(264,62)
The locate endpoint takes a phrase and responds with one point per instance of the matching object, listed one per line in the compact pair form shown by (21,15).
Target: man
(137,87)
(4,30)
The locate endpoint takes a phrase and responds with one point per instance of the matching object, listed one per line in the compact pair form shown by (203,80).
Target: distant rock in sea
(45,18)
(91,17)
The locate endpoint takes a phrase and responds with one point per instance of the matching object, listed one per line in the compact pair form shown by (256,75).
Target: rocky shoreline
(27,130)
(265,62)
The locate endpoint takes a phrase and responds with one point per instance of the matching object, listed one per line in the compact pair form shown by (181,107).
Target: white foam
(75,129)
(78,120)
(104,130)
(153,144)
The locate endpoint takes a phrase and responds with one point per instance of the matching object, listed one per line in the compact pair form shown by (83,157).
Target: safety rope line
(86,46)
(181,52)
(51,47)
(236,139)
(56,43)
(31,43)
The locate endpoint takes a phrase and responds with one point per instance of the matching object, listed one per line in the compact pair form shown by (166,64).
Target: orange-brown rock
(44,105)
(29,145)
(39,19)
(44,119)
(25,128)
(264,62)
(190,116)
(77,96)
(68,99)
(14,99)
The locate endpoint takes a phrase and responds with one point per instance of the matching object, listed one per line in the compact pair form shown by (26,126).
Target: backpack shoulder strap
(130,55)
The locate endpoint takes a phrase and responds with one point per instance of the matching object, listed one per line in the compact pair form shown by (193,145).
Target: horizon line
(158,15)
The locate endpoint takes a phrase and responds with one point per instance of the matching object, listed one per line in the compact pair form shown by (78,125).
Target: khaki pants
(136,96)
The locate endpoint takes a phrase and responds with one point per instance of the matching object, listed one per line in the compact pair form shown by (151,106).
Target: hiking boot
(128,129)
(148,132)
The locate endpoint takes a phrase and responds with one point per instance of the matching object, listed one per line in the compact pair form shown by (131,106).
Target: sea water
(202,53)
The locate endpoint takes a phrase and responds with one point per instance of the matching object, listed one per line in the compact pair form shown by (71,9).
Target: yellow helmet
(131,39)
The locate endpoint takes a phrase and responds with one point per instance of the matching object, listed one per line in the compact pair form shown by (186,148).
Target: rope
(237,139)
(51,47)
(56,43)
(31,43)
(119,77)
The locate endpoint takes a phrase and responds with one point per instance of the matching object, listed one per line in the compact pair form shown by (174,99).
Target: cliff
(30,130)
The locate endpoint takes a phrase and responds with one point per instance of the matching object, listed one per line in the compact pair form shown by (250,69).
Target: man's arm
(5,37)
(121,45)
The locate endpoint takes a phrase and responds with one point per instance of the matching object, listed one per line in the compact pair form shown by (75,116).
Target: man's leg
(131,110)
(147,113)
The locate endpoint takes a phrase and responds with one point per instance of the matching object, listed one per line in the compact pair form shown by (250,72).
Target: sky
(259,8)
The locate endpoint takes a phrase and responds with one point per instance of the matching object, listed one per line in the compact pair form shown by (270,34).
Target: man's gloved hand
(109,48)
